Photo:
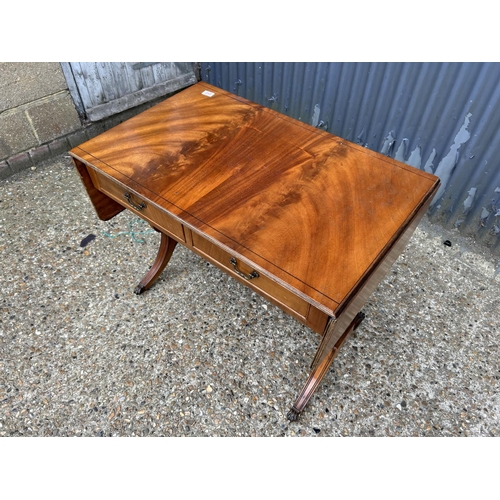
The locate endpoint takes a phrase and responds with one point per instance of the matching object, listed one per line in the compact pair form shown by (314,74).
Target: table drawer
(271,289)
(137,204)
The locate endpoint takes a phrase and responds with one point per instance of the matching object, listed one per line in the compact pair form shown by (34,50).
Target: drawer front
(271,289)
(137,204)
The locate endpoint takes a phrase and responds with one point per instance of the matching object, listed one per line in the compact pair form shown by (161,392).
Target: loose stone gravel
(200,355)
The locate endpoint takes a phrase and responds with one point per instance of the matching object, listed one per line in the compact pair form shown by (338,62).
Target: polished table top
(316,220)
(313,211)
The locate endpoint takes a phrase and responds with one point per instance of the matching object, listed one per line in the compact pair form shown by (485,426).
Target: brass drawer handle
(132,204)
(251,276)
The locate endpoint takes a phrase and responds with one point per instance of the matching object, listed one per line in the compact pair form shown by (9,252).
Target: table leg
(167,246)
(320,370)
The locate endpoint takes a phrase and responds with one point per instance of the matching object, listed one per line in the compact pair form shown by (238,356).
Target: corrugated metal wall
(439,117)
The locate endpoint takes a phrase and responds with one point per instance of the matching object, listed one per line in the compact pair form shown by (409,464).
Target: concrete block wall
(38,119)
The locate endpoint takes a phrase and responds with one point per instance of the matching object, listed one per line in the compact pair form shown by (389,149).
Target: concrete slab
(24,82)
(16,133)
(54,117)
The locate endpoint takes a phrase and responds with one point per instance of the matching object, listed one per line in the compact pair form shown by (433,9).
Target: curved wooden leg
(167,246)
(320,370)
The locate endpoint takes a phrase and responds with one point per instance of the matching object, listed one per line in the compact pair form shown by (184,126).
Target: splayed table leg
(320,370)
(167,246)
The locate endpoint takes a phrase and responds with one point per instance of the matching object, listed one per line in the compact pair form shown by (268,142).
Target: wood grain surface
(312,211)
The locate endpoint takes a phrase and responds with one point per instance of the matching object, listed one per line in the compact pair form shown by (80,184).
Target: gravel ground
(200,355)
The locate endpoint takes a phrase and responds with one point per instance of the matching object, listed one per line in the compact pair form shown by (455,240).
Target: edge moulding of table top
(306,219)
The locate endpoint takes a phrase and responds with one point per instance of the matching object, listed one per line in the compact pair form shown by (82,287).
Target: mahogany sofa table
(307,220)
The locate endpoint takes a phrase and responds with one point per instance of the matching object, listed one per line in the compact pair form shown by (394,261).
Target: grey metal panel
(441,117)
(101,89)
